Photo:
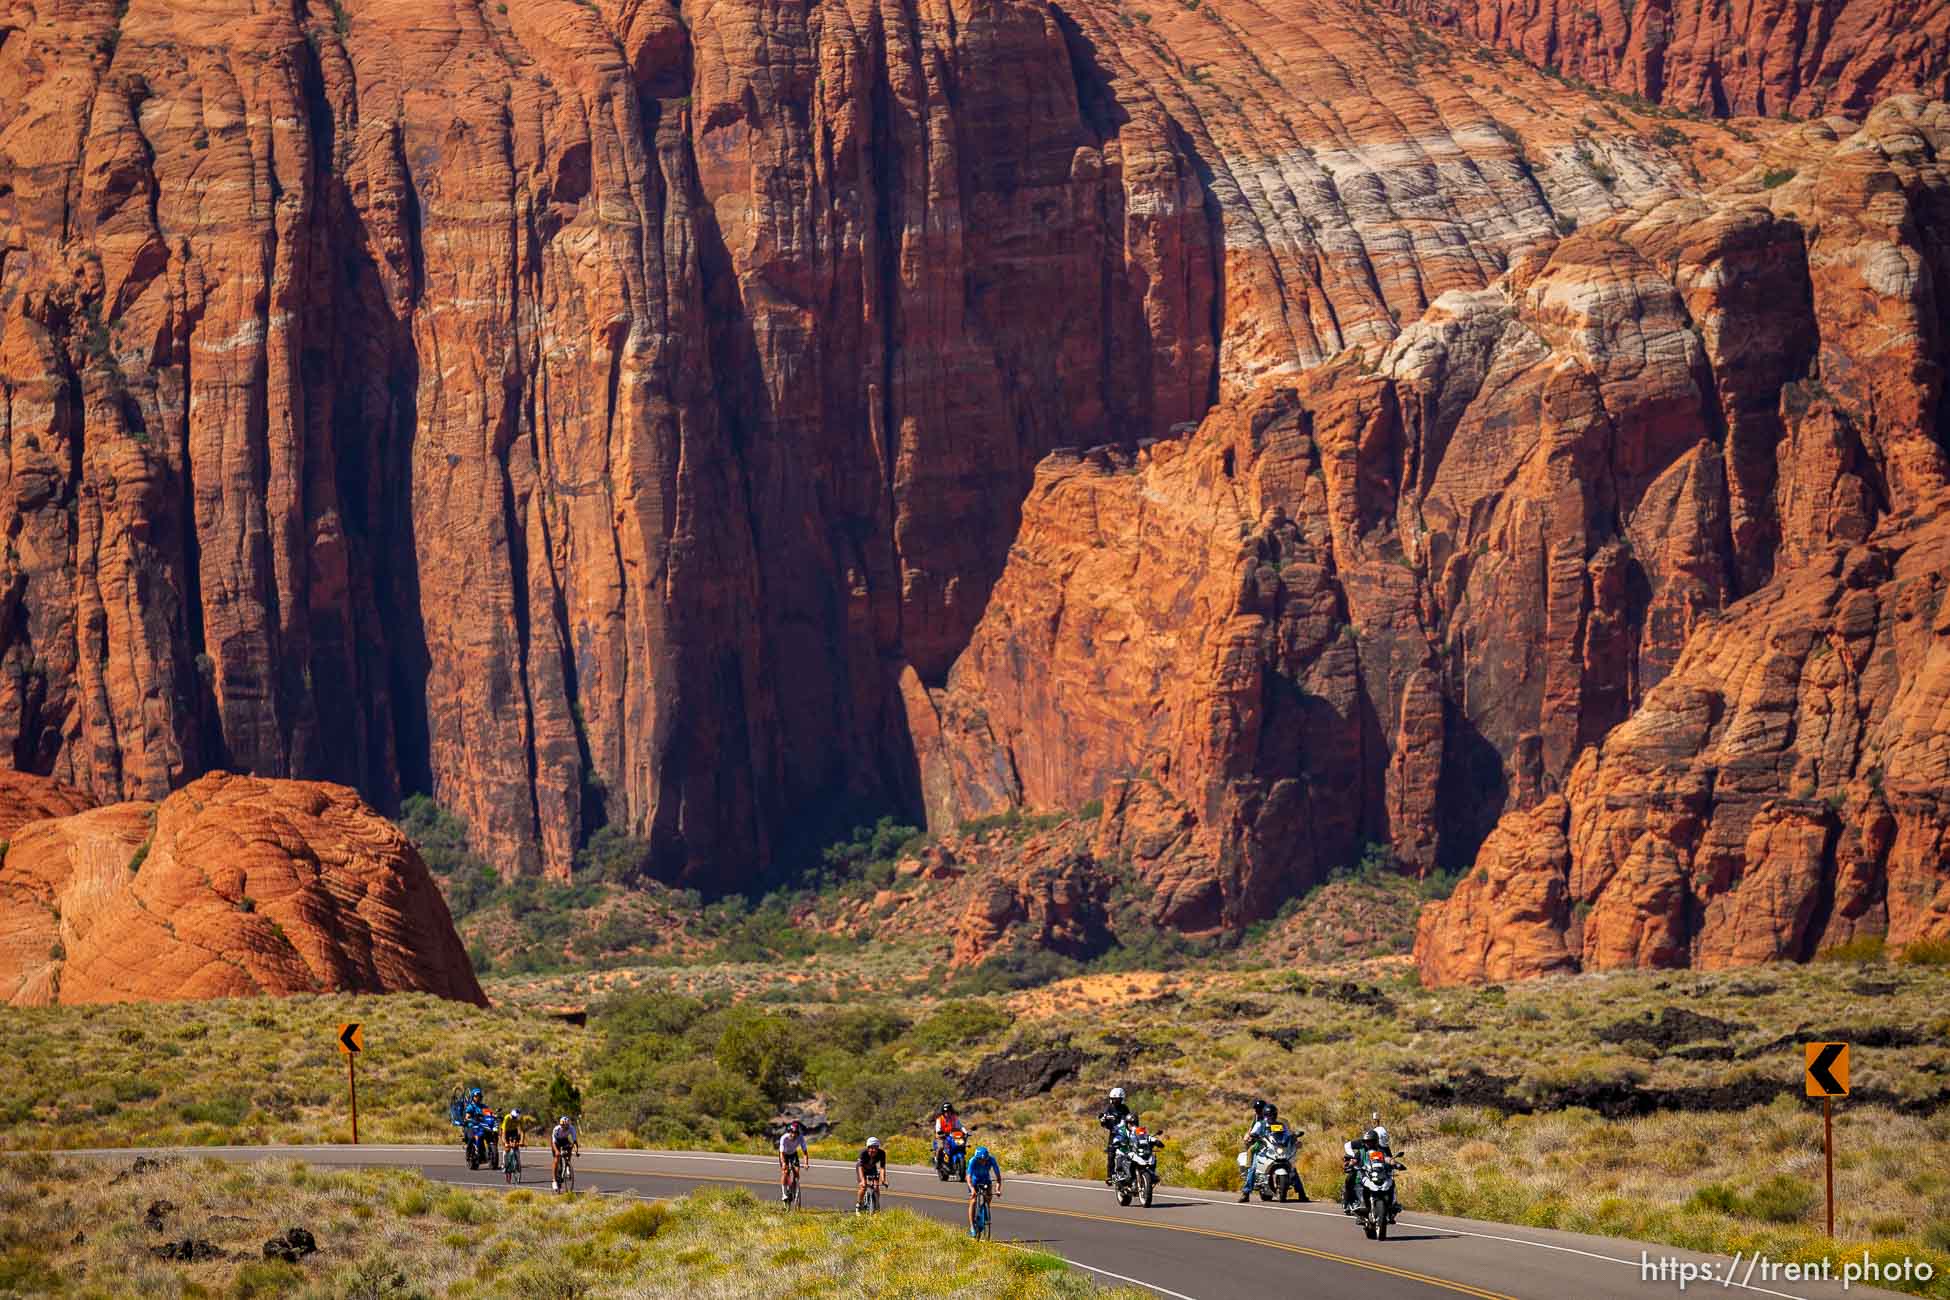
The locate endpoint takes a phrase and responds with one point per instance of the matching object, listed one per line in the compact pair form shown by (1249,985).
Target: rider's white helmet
(563,1120)
(1381,1135)
(1117,1094)
(873,1142)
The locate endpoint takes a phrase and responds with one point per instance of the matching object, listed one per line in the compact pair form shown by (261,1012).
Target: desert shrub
(858,1029)
(564,1098)
(642,1221)
(264,1277)
(224,1112)
(954,1023)
(1863,948)
(612,854)
(1927,952)
(1777,178)
(1005,972)
(885,1103)
(1019,824)
(765,1049)
(1779,1199)
(25,1271)
(638,1014)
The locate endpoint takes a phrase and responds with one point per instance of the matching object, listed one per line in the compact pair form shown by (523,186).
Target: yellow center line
(1372,1265)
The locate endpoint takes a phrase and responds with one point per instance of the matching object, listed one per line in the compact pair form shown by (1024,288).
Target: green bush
(878,1102)
(954,1023)
(1780,1199)
(564,1098)
(264,1277)
(1014,969)
(613,855)
(642,1221)
(1777,178)
(764,1049)
(1862,949)
(224,1112)
(1927,952)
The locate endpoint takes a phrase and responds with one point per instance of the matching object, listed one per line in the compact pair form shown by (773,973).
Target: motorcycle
(1272,1159)
(951,1155)
(1374,1192)
(481,1139)
(1134,1175)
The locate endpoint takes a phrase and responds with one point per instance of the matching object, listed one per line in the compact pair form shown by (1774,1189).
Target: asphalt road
(1190,1245)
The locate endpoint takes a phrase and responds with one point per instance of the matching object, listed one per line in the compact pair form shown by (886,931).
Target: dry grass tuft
(76,1227)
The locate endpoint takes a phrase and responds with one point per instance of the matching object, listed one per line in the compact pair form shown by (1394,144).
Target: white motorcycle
(1135,1174)
(1271,1159)
(1374,1193)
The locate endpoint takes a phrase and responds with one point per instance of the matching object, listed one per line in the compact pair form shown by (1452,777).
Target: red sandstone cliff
(230,886)
(1408,591)
(589,412)
(617,413)
(1754,57)
(1786,789)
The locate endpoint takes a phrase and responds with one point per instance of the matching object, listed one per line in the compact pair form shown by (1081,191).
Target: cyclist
(792,1146)
(984,1179)
(510,1143)
(565,1142)
(872,1167)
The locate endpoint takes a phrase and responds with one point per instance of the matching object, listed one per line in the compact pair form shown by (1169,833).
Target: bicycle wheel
(568,1175)
(982,1218)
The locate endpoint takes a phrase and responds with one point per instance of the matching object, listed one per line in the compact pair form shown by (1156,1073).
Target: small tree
(564,1098)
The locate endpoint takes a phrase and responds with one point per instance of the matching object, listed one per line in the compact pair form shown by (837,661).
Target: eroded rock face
(592,413)
(231,886)
(27,798)
(1767,57)
(1405,594)
(1784,790)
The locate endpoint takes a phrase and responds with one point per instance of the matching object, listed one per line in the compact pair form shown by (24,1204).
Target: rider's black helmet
(947,1108)
(1368,1136)
(1259,1109)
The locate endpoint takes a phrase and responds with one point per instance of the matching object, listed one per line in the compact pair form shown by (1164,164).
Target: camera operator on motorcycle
(1352,1153)
(1264,1112)
(1115,1118)
(946,1121)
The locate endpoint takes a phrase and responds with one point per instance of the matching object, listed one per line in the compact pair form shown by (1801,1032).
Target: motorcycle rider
(472,1123)
(946,1121)
(872,1163)
(1116,1117)
(1264,1112)
(1352,1154)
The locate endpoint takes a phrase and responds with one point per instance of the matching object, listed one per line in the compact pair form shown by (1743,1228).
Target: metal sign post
(352,1041)
(1827,1078)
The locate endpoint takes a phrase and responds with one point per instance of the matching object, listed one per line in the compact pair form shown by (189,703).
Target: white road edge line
(1459,1232)
(1148,1286)
(738,1158)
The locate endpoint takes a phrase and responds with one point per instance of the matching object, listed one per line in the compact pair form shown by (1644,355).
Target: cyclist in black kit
(871,1166)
